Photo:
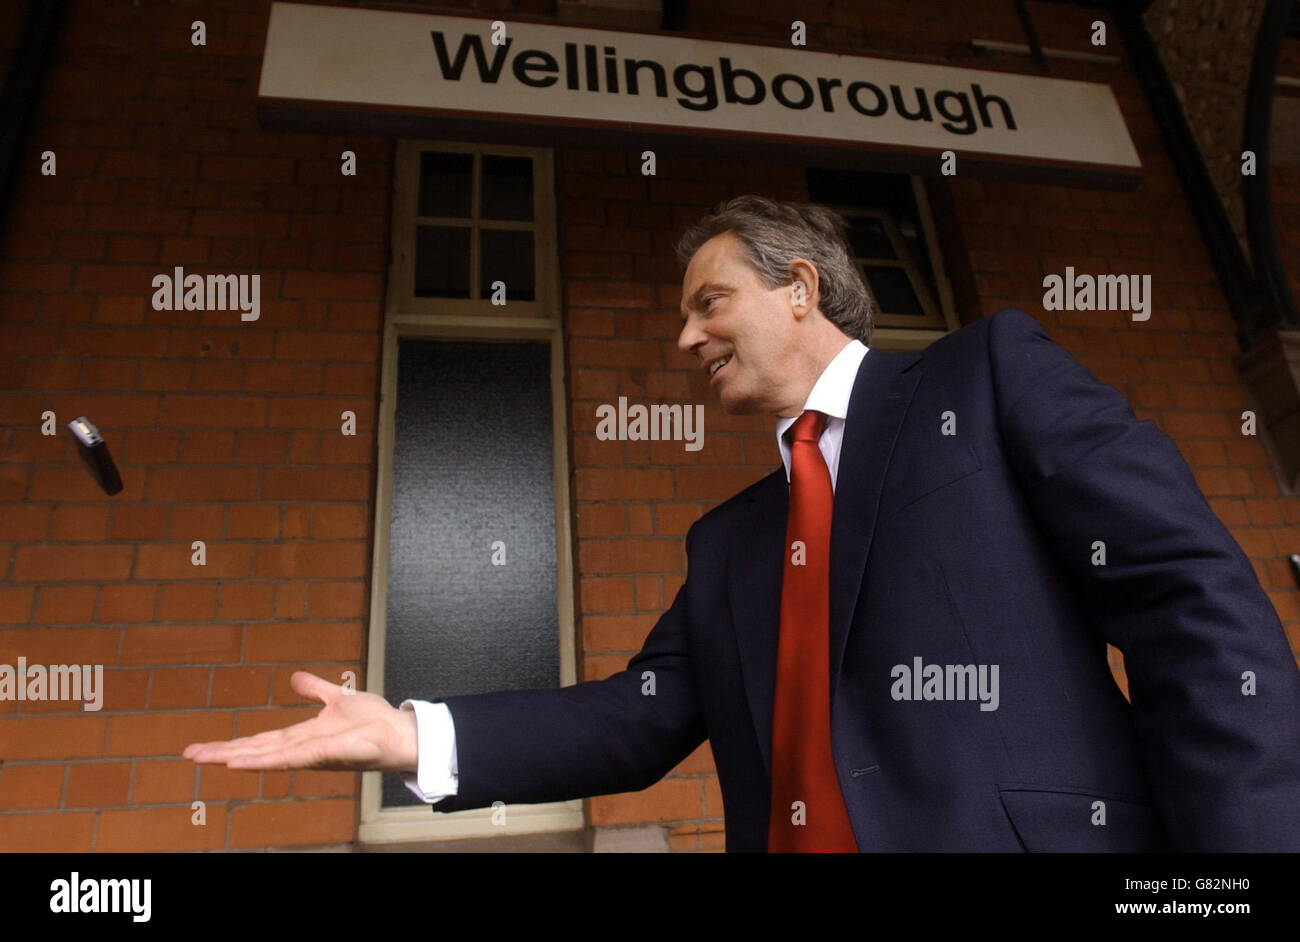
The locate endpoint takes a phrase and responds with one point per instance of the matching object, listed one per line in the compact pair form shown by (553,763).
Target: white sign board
(594,77)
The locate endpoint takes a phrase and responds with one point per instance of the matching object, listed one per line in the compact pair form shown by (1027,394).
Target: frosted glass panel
(472,480)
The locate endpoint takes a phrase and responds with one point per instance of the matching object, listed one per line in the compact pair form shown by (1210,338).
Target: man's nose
(690,337)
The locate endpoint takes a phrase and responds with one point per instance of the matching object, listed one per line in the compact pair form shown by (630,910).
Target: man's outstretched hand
(354,732)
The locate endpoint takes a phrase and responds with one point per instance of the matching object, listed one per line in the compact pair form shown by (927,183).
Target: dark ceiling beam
(1244,290)
(1279,310)
(1031,35)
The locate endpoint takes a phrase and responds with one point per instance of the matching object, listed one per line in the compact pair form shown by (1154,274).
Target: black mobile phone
(94,451)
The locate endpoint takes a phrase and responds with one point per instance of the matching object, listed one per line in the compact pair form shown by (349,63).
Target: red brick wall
(228,432)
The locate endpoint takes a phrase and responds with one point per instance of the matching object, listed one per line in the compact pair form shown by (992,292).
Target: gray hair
(774,234)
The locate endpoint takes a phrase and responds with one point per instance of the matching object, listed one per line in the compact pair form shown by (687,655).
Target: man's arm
(620,734)
(435,775)
(1176,595)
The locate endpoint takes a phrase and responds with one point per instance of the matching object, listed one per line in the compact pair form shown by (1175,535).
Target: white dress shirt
(436,775)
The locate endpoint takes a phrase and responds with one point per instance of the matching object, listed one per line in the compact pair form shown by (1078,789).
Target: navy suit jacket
(973,548)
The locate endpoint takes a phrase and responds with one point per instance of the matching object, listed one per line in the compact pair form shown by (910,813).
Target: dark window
(472,465)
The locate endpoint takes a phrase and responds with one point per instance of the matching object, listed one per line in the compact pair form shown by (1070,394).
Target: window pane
(891,192)
(868,238)
(472,465)
(446,182)
(893,290)
(507,188)
(441,262)
(507,256)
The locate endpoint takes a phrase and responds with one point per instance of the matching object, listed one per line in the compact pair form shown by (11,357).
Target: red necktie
(803,770)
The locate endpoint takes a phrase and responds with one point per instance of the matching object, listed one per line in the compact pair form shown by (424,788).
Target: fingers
(274,748)
(223,750)
(315,688)
(303,755)
(341,752)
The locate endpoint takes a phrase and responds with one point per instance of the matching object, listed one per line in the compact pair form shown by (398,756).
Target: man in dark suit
(897,641)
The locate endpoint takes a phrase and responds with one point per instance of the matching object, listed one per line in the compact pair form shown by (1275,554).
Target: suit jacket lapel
(755,565)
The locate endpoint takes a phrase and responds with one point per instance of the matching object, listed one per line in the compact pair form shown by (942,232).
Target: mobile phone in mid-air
(94,451)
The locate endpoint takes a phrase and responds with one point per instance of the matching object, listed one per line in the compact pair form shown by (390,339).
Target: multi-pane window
(892,240)
(472,586)
(466,238)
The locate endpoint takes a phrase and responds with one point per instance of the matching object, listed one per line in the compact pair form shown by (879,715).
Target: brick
(606,595)
(298,642)
(316,484)
(318,413)
(239,169)
(336,600)
(187,603)
(197,522)
(260,224)
(280,823)
(27,523)
(240,686)
(30,787)
(159,829)
(597,557)
(16,604)
(312,560)
(52,737)
(331,286)
(1222,482)
(40,277)
(55,832)
(65,604)
(313,784)
(602,520)
(675,519)
(159,734)
(340,521)
(66,562)
(216,783)
(126,603)
(699,762)
(56,645)
(179,688)
(97,784)
(181,644)
(125,690)
(615,632)
(623,484)
(670,799)
(262,448)
(146,219)
(182,485)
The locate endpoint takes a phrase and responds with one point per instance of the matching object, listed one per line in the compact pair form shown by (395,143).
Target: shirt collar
(830,394)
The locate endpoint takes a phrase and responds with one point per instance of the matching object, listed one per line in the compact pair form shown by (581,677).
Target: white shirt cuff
(436,771)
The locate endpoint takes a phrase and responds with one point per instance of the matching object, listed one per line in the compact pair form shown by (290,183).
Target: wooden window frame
(891,332)
(478,320)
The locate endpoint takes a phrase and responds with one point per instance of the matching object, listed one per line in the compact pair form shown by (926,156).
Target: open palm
(354,732)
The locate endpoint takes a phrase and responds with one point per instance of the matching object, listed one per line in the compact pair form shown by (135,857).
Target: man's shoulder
(1007,326)
(720,518)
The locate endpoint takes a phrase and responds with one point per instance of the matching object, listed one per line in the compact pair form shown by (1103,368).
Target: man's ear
(803,290)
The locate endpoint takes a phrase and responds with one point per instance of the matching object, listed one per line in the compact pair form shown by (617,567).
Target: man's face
(731,316)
